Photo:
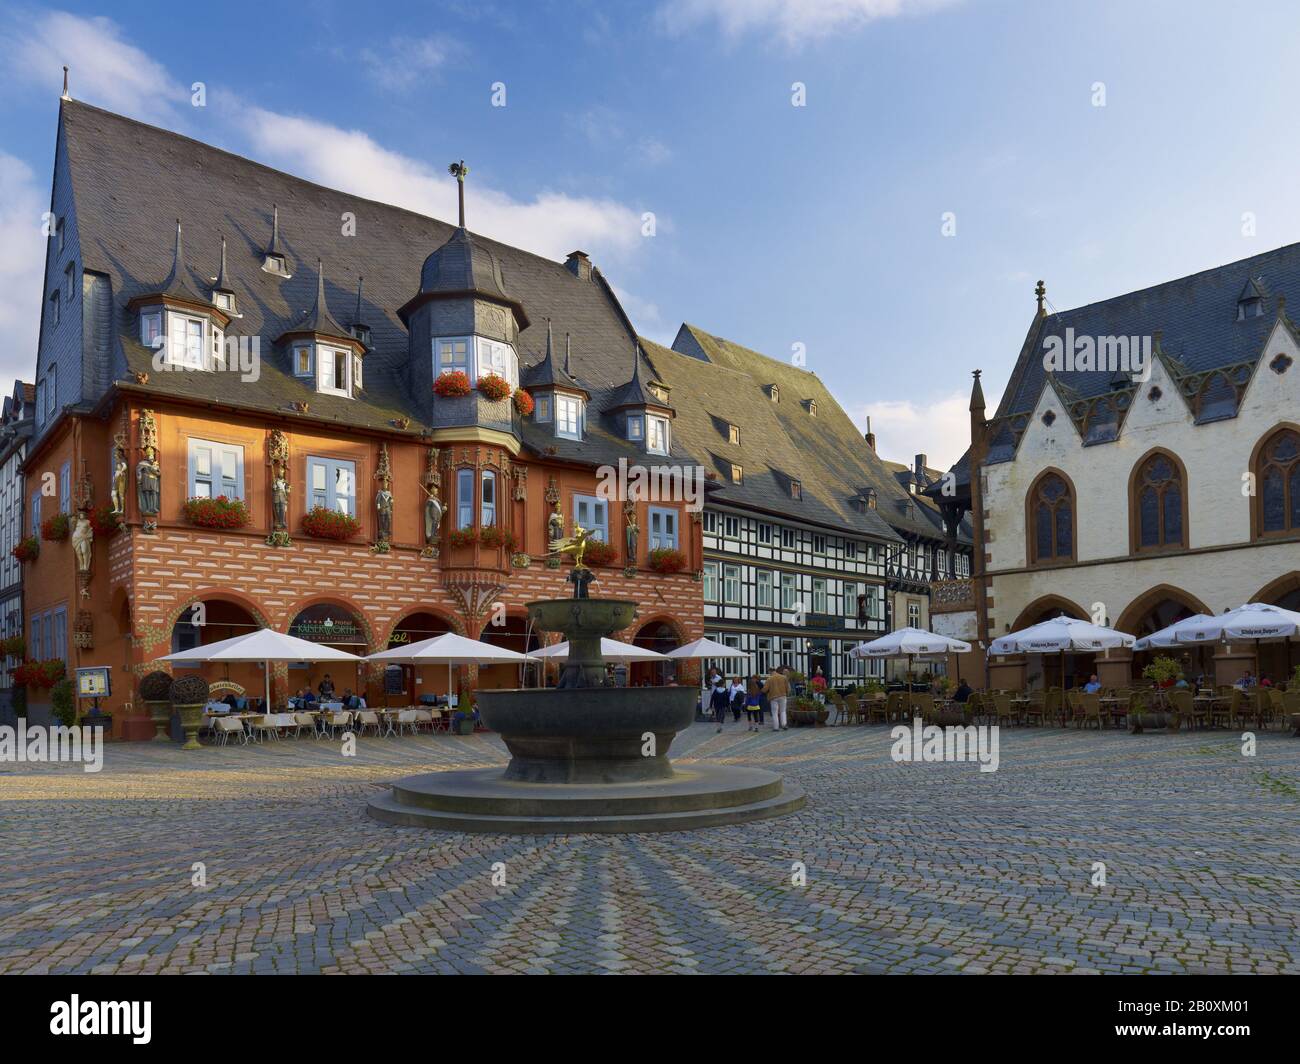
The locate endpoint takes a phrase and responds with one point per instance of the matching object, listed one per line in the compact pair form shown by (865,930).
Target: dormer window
(275,264)
(656,434)
(151,328)
(225,300)
(635,427)
(476,357)
(812,407)
(362,333)
(796,490)
(1250,304)
(659,391)
(733,434)
(333,371)
(542,412)
(737,474)
(774,393)
(302,360)
(569,416)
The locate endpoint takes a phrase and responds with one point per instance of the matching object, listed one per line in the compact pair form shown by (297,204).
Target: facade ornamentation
(384,502)
(148,474)
(83,544)
(121,474)
(277,456)
(433,508)
(631,531)
(521,483)
(476,600)
(554,519)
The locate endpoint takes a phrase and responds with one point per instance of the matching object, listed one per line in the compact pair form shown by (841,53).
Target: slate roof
(1196,317)
(722,396)
(830,447)
(131,181)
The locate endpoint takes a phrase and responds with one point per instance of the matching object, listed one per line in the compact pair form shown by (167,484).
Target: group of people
(754,697)
(325,692)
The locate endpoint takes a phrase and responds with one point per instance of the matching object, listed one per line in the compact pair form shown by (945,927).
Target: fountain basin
(589,734)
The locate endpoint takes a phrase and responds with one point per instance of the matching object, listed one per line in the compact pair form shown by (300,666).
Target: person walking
(719,701)
(737,698)
(754,704)
(777,689)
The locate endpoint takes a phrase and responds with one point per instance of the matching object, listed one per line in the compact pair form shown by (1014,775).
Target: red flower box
(523,402)
(492,536)
(324,523)
(28,549)
(39,673)
(220,512)
(494,387)
(105,522)
(450,385)
(666,560)
(55,528)
(600,553)
(462,537)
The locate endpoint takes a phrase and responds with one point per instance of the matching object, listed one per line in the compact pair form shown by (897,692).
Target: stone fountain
(587,755)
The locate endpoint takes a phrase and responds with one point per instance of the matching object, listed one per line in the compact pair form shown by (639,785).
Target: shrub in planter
(492,536)
(600,553)
(63,704)
(105,522)
(28,549)
(189,695)
(494,387)
(55,528)
(666,560)
(324,523)
(221,512)
(450,385)
(523,402)
(1163,671)
(155,693)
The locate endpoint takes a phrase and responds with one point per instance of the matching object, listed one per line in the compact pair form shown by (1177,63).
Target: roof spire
(1040,292)
(357,315)
(274,249)
(636,361)
(66,95)
(976,394)
(549,346)
(220,284)
(567,370)
(458,171)
(177,284)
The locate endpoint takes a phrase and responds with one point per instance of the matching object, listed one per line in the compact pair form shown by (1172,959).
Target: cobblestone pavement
(910,868)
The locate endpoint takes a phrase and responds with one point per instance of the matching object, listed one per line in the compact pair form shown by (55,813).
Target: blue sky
(775,225)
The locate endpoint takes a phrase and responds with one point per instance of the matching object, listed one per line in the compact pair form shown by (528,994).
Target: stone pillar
(1115,668)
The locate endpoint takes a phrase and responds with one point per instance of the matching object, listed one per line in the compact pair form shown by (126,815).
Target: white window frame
(569,410)
(763,585)
(657,440)
(819,598)
(217,476)
(663,528)
(598,520)
(711,583)
(330,496)
(328,361)
(731,585)
(765,533)
(789,539)
(789,591)
(488,497)
(309,368)
(730,526)
(849,595)
(465,501)
(495,356)
(444,345)
(152,334)
(183,347)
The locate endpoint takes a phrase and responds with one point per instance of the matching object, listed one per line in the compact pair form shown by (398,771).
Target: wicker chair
(1002,710)
(923,706)
(1054,706)
(1089,706)
(895,707)
(1180,699)
(1037,707)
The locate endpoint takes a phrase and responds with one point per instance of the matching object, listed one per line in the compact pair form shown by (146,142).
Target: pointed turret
(275,261)
(177,284)
(223,295)
(319,321)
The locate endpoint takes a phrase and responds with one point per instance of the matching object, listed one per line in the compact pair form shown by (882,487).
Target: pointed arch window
(1277,484)
(1159,504)
(1051,519)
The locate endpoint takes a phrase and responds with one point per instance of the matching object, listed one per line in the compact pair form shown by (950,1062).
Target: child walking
(754,705)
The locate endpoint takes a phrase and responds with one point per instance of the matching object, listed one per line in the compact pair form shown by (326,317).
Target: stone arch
(1148,600)
(1134,514)
(1284,585)
(452,619)
(150,637)
(328,599)
(1256,457)
(1031,528)
(1048,604)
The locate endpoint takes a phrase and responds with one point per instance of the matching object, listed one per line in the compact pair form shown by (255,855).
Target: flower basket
(523,402)
(15,646)
(28,550)
(600,553)
(40,674)
(324,523)
(492,536)
(494,387)
(221,512)
(462,537)
(666,560)
(55,528)
(105,522)
(451,385)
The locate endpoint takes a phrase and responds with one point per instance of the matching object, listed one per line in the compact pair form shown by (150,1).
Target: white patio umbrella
(1168,637)
(1061,635)
(907,643)
(707,648)
(449,649)
(610,649)
(265,645)
(1254,620)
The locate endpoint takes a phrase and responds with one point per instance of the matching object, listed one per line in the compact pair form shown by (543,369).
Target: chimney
(579,265)
(870,436)
(919,468)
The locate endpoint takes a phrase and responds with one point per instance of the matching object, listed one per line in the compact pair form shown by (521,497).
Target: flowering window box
(494,387)
(28,549)
(55,528)
(600,553)
(450,385)
(324,523)
(221,512)
(666,560)
(524,404)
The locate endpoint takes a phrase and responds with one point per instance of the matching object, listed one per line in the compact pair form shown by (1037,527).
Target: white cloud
(940,429)
(104,68)
(792,22)
(22,263)
(409,61)
(551,223)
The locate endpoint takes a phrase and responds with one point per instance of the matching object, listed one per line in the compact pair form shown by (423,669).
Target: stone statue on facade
(631,530)
(384,508)
(83,541)
(121,471)
(148,483)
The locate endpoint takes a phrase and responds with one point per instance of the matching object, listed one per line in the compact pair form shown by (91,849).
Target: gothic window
(1051,519)
(1277,485)
(1159,495)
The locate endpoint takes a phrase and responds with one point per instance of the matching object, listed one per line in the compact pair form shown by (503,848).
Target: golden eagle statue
(576,545)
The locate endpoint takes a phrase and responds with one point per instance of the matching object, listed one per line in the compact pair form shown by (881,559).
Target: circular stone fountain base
(482,800)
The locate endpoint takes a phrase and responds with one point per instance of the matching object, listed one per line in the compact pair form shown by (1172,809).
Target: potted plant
(494,387)
(492,536)
(156,694)
(323,523)
(600,553)
(63,704)
(523,402)
(221,512)
(27,550)
(450,385)
(189,695)
(462,723)
(808,712)
(55,528)
(666,560)
(105,522)
(1163,671)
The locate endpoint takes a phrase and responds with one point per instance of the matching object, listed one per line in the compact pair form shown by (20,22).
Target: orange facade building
(289,407)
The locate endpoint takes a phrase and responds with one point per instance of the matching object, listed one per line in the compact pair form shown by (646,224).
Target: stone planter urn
(189,696)
(155,693)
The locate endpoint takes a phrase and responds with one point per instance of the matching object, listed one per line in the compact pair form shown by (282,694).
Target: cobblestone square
(910,868)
